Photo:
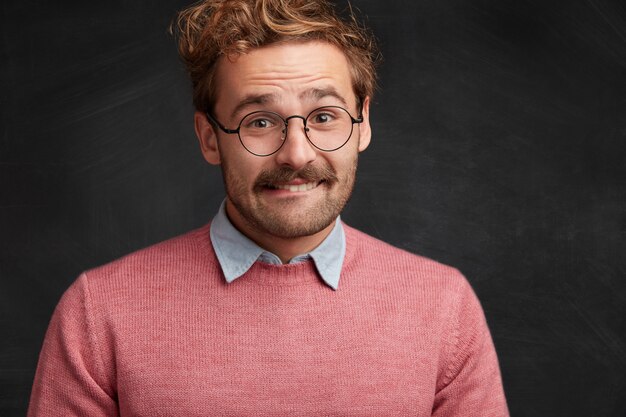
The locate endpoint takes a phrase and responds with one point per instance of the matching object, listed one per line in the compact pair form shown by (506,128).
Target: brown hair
(210,29)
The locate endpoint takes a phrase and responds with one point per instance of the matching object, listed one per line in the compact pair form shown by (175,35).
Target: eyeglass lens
(327,128)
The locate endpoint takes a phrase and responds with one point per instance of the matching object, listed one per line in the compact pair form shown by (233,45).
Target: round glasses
(263,133)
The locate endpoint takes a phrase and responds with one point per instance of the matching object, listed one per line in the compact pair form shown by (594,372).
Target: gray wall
(498,148)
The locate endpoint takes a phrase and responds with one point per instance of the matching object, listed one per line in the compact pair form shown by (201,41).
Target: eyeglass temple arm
(221,126)
(360,118)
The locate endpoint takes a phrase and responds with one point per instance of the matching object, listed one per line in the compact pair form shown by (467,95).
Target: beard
(288,217)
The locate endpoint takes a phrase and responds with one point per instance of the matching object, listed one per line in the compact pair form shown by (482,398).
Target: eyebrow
(252,99)
(320,93)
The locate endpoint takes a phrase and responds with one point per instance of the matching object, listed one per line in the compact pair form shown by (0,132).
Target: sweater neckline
(279,275)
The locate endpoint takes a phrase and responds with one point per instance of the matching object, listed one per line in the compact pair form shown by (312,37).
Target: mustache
(309,173)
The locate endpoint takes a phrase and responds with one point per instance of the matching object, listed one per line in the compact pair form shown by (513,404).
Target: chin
(285,229)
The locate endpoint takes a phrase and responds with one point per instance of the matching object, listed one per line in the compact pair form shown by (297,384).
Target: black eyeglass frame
(224,129)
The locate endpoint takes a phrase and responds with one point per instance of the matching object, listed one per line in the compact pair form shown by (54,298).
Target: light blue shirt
(236,253)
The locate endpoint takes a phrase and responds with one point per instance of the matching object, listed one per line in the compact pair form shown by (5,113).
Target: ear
(207,138)
(365,130)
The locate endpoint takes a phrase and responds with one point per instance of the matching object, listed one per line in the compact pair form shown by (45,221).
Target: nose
(297,151)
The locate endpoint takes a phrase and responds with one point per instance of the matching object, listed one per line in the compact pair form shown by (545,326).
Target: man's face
(289,79)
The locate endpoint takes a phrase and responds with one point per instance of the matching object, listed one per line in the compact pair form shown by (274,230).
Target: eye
(322,117)
(260,124)
(260,121)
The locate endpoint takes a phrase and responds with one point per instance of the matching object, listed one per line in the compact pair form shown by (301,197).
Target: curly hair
(211,29)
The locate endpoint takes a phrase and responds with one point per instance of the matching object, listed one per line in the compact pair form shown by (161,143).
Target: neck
(286,248)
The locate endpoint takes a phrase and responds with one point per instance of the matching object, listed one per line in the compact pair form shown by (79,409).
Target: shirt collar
(236,253)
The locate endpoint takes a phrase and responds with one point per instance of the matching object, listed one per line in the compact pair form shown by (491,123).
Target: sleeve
(72,378)
(470,383)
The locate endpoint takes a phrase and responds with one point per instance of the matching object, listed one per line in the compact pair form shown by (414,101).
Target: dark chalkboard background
(498,148)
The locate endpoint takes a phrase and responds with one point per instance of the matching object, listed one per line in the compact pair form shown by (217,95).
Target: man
(276,307)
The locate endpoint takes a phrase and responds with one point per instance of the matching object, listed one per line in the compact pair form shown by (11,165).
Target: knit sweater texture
(160,333)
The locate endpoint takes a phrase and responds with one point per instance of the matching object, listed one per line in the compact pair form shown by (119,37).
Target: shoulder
(170,252)
(400,268)
(176,257)
(370,249)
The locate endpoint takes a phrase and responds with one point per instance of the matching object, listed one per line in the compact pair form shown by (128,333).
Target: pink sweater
(160,333)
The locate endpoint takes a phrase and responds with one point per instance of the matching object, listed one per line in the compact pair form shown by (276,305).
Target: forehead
(284,72)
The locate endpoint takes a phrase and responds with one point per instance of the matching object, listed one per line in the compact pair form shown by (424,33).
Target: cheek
(240,170)
(345,167)
(225,147)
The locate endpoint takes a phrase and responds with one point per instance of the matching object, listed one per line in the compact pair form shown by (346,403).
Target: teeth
(297,188)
